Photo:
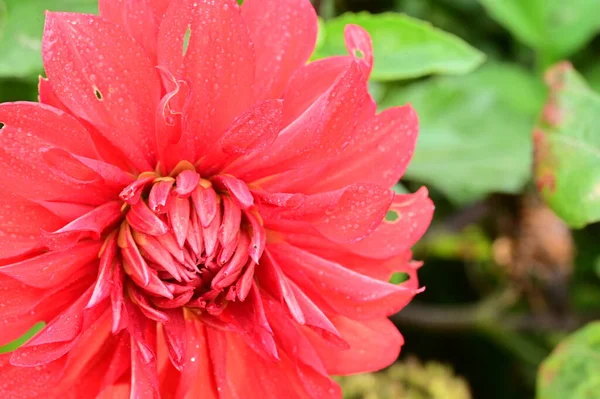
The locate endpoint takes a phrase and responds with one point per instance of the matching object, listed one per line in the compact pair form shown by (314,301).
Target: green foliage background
(474,71)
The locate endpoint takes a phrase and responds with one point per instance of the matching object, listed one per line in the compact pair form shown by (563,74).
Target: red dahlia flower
(196,212)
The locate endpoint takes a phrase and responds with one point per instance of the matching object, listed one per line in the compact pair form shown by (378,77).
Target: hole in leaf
(186,39)
(399,277)
(358,53)
(98,94)
(1,125)
(240,2)
(392,216)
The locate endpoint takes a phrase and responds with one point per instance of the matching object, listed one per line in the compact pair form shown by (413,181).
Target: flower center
(186,241)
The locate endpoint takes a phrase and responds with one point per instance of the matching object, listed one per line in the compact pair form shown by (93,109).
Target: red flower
(196,212)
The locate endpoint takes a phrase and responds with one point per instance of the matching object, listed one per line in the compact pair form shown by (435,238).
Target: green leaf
(21,28)
(592,76)
(555,27)
(475,134)
(573,369)
(17,90)
(404,47)
(567,146)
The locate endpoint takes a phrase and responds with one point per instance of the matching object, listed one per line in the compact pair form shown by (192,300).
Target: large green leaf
(21,27)
(475,135)
(404,47)
(567,145)
(556,27)
(573,370)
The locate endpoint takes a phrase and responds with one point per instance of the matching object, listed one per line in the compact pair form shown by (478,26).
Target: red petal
(194,237)
(97,360)
(238,190)
(316,319)
(57,337)
(258,237)
(218,63)
(186,182)
(21,222)
(24,306)
(228,250)
(91,224)
(51,125)
(272,279)
(144,220)
(280,200)
(380,269)
(175,337)
(159,195)
(232,217)
(102,75)
(111,174)
(414,213)
(157,253)
(235,379)
(359,44)
(176,302)
(119,313)
(374,345)
(309,82)
(232,270)
(52,269)
(250,321)
(133,191)
(29,382)
(284,33)
(145,307)
(254,130)
(211,235)
(104,282)
(359,296)
(379,152)
(118,391)
(179,218)
(138,18)
(137,266)
(47,96)
(205,202)
(321,133)
(291,339)
(168,242)
(197,380)
(30,158)
(313,79)
(17,299)
(143,374)
(345,215)
(244,284)
(167,120)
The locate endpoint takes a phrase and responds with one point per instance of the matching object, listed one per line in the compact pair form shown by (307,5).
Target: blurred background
(512,260)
